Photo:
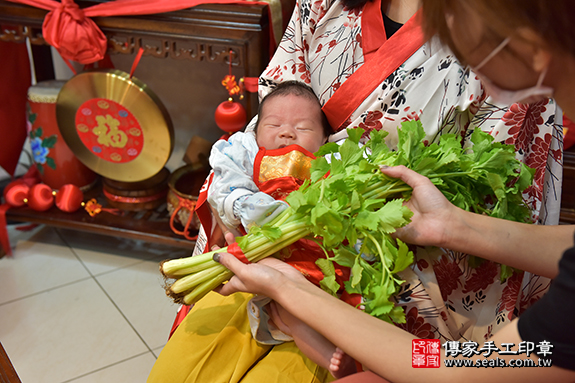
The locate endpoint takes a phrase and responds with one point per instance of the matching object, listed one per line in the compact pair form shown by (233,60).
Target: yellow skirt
(213,344)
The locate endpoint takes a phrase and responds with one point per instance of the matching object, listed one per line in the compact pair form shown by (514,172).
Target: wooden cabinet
(186,55)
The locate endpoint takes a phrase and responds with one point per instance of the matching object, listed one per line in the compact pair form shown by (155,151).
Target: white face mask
(507,97)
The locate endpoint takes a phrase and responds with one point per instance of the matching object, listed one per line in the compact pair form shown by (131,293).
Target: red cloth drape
(569,131)
(15,79)
(70,30)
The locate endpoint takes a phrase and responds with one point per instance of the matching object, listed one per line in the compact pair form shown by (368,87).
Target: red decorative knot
(71,8)
(75,36)
(230,115)
(93,207)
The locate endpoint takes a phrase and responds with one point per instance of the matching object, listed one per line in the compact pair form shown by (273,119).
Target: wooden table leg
(7,372)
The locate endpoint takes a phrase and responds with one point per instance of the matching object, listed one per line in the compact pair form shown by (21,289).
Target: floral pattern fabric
(444,296)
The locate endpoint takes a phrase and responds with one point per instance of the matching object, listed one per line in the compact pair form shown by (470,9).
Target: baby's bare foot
(341,364)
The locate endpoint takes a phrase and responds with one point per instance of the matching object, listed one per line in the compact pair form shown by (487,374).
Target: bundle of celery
(351,208)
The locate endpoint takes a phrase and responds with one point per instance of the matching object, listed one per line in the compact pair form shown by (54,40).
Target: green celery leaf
(397,315)
(393,215)
(506,272)
(356,201)
(356,273)
(350,152)
(354,135)
(270,232)
(404,258)
(367,220)
(296,200)
(350,289)
(328,148)
(319,169)
(328,283)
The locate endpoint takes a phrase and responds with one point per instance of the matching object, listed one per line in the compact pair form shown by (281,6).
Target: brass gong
(115,125)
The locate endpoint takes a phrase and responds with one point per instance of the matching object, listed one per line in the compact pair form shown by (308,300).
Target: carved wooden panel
(206,32)
(203,34)
(186,55)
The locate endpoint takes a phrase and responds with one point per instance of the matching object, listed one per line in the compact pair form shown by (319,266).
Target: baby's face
(290,119)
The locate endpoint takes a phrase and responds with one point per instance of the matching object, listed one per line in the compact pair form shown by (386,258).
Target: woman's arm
(437,222)
(381,347)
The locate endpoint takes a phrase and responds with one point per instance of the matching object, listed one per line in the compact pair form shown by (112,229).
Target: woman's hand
(264,277)
(432,212)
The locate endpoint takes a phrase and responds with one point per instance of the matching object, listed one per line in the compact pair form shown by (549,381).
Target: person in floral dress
(399,77)
(324,45)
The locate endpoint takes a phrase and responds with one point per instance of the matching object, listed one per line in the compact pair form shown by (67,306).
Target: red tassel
(4,240)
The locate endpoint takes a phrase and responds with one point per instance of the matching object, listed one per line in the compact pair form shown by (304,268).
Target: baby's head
(291,114)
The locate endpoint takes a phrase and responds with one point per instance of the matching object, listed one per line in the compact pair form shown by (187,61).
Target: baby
(252,173)
(290,114)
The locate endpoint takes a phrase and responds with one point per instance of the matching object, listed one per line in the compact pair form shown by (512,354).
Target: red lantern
(69,198)
(16,194)
(230,116)
(40,197)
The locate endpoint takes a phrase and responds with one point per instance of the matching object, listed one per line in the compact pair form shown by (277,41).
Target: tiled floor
(83,308)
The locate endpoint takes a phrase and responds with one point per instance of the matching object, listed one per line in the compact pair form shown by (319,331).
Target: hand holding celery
(349,201)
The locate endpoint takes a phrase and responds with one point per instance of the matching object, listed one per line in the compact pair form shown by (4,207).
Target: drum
(55,161)
(148,194)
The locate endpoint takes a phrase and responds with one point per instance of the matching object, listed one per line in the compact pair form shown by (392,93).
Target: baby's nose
(287,132)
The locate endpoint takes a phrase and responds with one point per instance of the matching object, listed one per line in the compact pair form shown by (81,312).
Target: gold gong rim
(140,100)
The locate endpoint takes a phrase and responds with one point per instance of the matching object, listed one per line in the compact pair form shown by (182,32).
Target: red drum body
(56,163)
(148,194)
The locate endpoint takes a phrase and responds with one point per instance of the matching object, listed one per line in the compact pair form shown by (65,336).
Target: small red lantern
(231,116)
(40,197)
(69,198)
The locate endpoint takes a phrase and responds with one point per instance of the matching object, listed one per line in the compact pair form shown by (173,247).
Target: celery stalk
(190,281)
(201,290)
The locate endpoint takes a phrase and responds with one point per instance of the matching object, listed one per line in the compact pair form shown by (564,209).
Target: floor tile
(157,351)
(40,261)
(65,333)
(101,253)
(134,370)
(137,291)
(22,232)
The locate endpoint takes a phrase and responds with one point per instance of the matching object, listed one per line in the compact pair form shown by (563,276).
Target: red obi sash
(382,57)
